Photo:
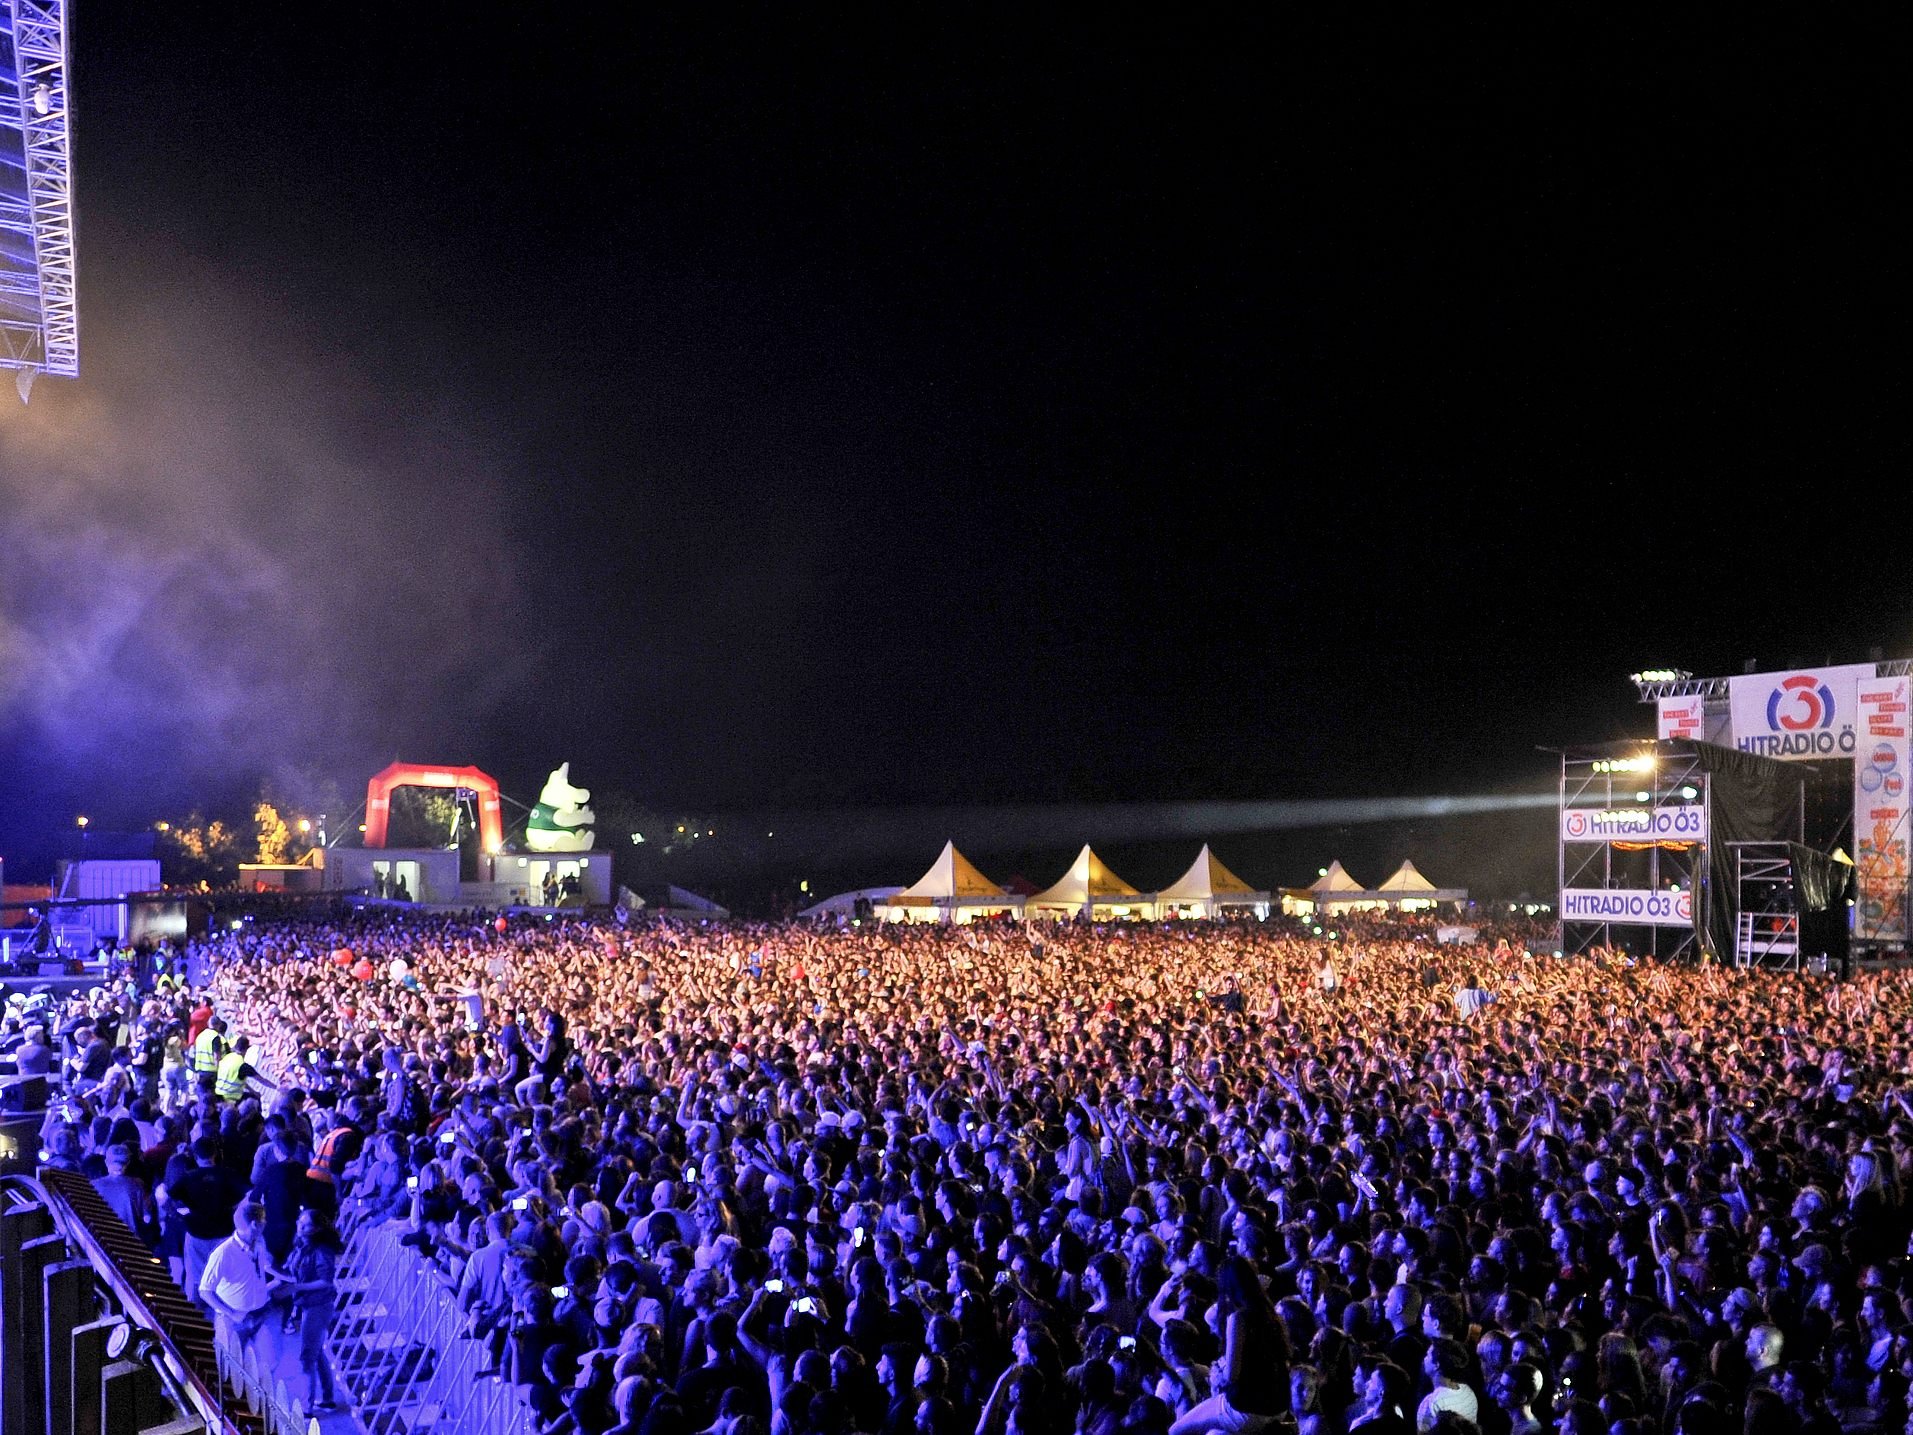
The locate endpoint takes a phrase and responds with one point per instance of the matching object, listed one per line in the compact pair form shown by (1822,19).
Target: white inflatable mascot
(560,822)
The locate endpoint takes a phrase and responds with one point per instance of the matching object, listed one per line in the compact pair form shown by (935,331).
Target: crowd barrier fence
(243,1378)
(398,1345)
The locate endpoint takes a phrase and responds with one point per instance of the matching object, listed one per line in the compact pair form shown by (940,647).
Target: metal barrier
(398,1345)
(262,1393)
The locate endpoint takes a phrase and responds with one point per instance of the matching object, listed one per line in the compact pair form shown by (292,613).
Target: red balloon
(363,971)
(500,926)
(342,957)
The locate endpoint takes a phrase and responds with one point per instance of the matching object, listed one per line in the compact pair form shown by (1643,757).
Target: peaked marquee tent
(951,891)
(1089,888)
(1206,889)
(1333,891)
(1412,892)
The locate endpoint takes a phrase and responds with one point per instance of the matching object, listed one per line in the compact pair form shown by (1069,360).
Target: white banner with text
(1680,823)
(1880,810)
(1630,906)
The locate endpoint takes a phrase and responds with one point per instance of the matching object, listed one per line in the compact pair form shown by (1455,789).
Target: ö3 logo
(1800,704)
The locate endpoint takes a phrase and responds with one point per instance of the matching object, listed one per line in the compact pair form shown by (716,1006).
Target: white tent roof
(846,902)
(1207,880)
(1407,879)
(1336,879)
(951,878)
(683,899)
(1087,880)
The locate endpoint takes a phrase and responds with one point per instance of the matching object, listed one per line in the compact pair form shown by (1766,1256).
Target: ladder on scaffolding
(1767,930)
(1768,939)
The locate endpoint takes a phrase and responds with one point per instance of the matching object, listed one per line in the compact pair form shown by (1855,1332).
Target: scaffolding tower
(39,312)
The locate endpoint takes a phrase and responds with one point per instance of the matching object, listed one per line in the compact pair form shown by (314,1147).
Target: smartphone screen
(561,1292)
(520,1204)
(775,1287)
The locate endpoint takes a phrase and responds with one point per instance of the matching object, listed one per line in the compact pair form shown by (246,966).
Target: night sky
(801,410)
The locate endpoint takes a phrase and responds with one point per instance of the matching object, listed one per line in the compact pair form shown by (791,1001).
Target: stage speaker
(23,1093)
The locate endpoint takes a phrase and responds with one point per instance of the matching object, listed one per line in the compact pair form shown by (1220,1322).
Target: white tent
(1333,891)
(951,891)
(1412,892)
(1089,888)
(1208,887)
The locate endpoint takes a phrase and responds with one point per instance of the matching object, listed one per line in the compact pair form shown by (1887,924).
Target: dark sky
(798,409)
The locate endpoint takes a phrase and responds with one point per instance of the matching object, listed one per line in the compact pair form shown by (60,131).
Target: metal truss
(1715,689)
(1593,780)
(39,310)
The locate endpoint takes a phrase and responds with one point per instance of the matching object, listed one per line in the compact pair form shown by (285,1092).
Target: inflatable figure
(560,822)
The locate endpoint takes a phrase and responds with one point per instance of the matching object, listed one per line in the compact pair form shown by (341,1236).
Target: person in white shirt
(238,1284)
(1445,1364)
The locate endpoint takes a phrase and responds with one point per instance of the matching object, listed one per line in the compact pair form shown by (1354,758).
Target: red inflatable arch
(378,799)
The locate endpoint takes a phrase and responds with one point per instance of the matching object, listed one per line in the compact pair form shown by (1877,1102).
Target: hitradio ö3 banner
(1880,808)
(1631,906)
(1797,716)
(1681,823)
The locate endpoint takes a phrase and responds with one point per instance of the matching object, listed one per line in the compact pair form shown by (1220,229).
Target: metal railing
(399,1345)
(396,1344)
(261,1392)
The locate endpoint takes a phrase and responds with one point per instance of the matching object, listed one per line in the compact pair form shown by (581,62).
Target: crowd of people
(1177,1178)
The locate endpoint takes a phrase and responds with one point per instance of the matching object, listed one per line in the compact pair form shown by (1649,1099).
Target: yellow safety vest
(230,1086)
(206,1051)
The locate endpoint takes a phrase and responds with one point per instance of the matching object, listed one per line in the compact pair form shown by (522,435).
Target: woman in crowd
(312,1271)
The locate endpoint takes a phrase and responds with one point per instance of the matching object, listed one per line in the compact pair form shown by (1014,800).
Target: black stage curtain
(1822,887)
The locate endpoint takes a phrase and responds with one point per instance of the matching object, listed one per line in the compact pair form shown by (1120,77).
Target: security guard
(338,1148)
(231,1082)
(208,1047)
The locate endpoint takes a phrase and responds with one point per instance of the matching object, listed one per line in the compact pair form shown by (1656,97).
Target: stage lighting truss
(1653,686)
(39,316)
